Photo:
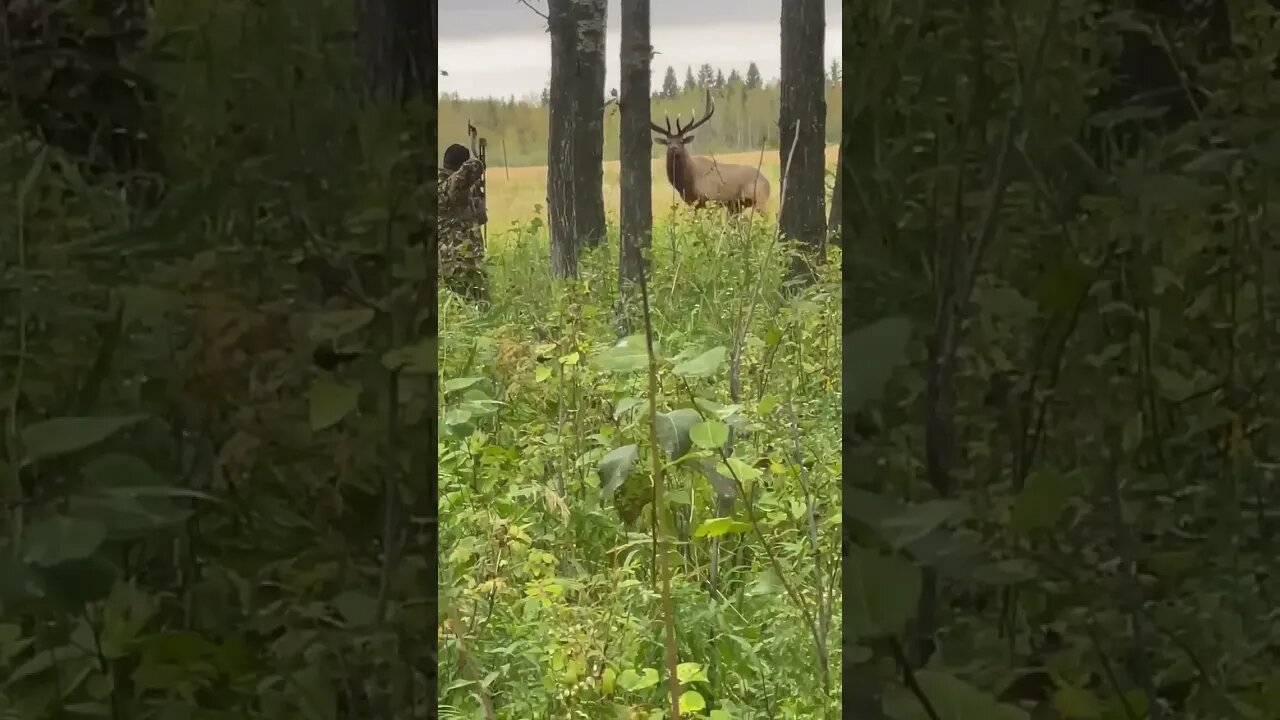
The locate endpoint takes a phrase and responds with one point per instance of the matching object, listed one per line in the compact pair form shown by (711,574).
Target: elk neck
(679,168)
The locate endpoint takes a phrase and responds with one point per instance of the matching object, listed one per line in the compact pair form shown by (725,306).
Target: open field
(514,192)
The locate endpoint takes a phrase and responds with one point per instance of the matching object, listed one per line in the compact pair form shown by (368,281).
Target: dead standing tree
(802,122)
(575,143)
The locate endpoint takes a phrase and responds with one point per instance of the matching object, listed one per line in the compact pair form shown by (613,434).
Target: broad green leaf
(880,593)
(915,521)
(691,701)
(631,681)
(359,609)
(456,384)
(59,538)
(1074,703)
(59,436)
(614,468)
(624,406)
(709,434)
(628,355)
(688,672)
(118,470)
(951,698)
(125,517)
(1042,501)
(705,365)
(871,354)
(673,431)
(716,527)
(541,374)
(416,359)
(719,715)
(335,324)
(1060,288)
(74,583)
(330,401)
(571,359)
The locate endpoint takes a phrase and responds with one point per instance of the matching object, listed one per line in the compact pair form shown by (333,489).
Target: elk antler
(681,131)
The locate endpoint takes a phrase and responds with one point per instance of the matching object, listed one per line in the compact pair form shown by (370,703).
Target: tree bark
(589,121)
(834,230)
(575,142)
(397,49)
(560,136)
(802,120)
(635,144)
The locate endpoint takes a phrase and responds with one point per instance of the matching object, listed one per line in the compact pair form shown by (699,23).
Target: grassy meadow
(514,192)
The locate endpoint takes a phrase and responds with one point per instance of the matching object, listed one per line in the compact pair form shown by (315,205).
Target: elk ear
(688,139)
(660,141)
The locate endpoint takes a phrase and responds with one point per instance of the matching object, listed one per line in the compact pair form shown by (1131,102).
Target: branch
(536,10)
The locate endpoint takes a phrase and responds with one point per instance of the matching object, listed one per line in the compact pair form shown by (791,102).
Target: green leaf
(871,354)
(416,359)
(117,470)
(1075,703)
(455,384)
(705,365)
(719,715)
(951,698)
(716,527)
(915,521)
(333,325)
(126,517)
(359,609)
(330,401)
(880,593)
(614,469)
(691,701)
(1041,501)
(630,680)
(75,583)
(628,355)
(709,434)
(59,436)
(673,431)
(59,538)
(624,406)
(688,672)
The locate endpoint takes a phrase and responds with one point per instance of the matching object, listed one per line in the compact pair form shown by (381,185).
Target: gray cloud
(461,19)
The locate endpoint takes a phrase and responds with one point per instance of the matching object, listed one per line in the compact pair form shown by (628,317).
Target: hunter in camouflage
(460,216)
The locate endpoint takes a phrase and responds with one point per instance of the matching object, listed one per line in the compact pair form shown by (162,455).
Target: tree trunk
(834,231)
(396,45)
(397,49)
(560,136)
(802,120)
(635,145)
(575,141)
(588,138)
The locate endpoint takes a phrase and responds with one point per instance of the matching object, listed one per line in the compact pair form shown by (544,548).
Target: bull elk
(702,180)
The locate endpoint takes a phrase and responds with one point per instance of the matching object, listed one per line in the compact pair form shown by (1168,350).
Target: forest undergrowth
(549,601)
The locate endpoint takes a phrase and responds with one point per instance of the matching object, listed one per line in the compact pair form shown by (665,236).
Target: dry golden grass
(513,192)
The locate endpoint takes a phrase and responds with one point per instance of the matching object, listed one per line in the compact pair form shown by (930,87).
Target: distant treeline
(746,118)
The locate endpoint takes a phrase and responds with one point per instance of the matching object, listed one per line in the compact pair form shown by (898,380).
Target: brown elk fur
(702,180)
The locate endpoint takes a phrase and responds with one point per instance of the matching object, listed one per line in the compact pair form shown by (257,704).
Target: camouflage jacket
(460,203)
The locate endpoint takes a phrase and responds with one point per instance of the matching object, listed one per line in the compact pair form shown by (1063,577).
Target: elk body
(702,180)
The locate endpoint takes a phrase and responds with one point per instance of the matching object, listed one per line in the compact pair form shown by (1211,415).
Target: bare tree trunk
(803,112)
(575,142)
(560,135)
(635,145)
(834,231)
(588,140)
(396,45)
(397,49)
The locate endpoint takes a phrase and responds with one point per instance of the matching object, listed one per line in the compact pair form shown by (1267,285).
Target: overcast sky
(500,47)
